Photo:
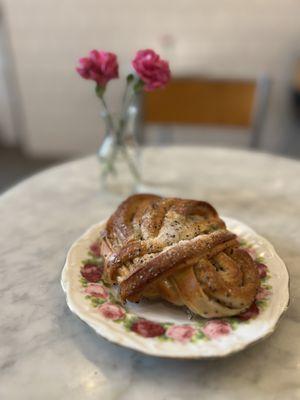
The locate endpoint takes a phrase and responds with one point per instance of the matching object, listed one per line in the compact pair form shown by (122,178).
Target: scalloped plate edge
(105,328)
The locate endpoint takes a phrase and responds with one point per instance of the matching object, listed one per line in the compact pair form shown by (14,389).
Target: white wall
(216,37)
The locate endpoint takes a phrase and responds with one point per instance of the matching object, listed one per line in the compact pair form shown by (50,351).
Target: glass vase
(119,153)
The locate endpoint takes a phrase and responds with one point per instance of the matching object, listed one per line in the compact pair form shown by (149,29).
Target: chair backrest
(205,101)
(201,101)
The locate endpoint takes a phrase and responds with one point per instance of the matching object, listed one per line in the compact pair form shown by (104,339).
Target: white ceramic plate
(160,329)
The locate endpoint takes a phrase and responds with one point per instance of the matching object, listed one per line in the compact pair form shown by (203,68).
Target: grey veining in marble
(47,353)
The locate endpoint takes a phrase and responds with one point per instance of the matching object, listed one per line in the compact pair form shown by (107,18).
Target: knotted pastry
(178,250)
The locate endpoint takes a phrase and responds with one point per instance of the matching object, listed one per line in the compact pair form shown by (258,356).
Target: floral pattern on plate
(105,300)
(163,330)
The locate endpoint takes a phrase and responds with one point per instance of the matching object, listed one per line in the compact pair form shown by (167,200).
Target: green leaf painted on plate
(83,281)
(92,260)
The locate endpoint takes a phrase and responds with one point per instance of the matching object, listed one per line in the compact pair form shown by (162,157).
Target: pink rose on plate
(95,249)
(181,333)
(262,293)
(215,329)
(91,272)
(152,70)
(252,312)
(99,66)
(262,270)
(147,328)
(112,311)
(97,290)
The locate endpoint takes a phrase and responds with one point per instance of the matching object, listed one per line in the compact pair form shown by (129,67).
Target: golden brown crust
(119,226)
(177,257)
(167,247)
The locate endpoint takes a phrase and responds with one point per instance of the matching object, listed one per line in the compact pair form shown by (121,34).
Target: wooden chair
(199,101)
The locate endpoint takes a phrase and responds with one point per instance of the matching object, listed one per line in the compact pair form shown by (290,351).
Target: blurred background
(48,114)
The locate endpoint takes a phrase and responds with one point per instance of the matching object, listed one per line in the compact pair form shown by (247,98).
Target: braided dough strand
(178,250)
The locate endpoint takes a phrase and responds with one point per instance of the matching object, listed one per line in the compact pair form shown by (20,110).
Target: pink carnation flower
(99,66)
(215,328)
(181,333)
(152,70)
(111,311)
(97,290)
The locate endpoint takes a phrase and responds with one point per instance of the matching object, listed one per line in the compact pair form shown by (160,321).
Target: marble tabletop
(46,352)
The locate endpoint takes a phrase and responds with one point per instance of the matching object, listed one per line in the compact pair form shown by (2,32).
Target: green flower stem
(125,97)
(119,144)
(109,166)
(107,112)
(125,104)
(131,165)
(109,163)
